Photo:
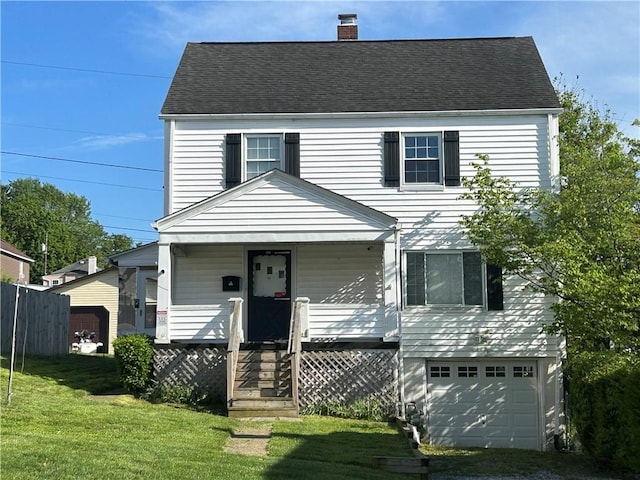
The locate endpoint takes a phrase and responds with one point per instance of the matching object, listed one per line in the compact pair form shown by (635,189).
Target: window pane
(263,154)
(422,141)
(444,279)
(422,171)
(415,278)
(150,316)
(472,278)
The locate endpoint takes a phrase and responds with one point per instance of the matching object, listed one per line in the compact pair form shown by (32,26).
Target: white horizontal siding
(333,322)
(197,164)
(289,209)
(205,323)
(198,275)
(347,157)
(340,273)
(344,284)
(514,331)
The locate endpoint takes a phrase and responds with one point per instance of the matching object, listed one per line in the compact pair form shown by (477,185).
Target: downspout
(556,409)
(398,275)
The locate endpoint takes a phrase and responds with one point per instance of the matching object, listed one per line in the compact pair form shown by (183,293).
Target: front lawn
(60,426)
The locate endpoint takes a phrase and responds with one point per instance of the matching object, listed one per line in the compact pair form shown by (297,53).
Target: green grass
(59,426)
(502,462)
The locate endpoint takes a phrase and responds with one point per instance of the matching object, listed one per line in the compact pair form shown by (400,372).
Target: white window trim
(444,307)
(439,186)
(245,156)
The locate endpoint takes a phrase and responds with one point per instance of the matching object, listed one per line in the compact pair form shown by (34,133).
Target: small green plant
(361,409)
(195,397)
(134,355)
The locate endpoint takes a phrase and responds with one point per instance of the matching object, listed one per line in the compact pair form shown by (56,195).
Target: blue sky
(115,61)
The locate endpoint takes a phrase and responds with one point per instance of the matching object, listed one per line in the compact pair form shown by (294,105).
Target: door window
(269,276)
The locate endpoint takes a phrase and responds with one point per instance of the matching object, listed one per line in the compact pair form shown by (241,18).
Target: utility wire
(126,218)
(20,154)
(132,229)
(84,181)
(108,72)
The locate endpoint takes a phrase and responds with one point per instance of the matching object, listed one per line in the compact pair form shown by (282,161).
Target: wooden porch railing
(299,314)
(236,337)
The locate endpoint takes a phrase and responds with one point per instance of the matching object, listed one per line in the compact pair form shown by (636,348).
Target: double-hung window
(453,279)
(250,155)
(422,160)
(263,153)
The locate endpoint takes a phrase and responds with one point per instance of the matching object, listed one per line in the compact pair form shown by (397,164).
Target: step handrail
(294,347)
(236,337)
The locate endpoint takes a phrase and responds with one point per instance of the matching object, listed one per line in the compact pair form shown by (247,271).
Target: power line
(20,154)
(126,218)
(132,229)
(108,72)
(85,181)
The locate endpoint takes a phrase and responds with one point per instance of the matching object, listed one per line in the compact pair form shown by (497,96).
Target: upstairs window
(444,279)
(263,153)
(422,159)
(249,155)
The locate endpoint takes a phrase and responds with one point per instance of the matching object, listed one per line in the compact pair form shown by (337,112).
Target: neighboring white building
(331,171)
(138,285)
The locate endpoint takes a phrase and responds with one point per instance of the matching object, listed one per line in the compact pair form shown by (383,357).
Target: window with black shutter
(495,296)
(292,154)
(452,159)
(391,159)
(233,160)
(421,159)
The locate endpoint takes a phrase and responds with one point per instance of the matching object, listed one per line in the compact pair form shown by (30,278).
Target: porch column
(390,289)
(164,293)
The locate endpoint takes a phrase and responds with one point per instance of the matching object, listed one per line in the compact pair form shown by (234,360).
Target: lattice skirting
(195,366)
(326,376)
(344,376)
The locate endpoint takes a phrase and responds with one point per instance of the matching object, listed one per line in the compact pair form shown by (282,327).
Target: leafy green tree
(578,241)
(34,212)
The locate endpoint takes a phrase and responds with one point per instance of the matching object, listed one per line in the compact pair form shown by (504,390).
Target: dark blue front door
(269,300)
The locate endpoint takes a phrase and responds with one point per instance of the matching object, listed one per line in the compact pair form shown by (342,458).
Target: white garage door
(483,404)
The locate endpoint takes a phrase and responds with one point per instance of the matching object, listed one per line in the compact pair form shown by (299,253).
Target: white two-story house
(324,179)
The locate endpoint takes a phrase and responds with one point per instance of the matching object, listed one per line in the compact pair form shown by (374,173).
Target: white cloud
(100,142)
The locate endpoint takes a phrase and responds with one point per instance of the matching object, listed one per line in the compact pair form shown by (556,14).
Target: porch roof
(275,207)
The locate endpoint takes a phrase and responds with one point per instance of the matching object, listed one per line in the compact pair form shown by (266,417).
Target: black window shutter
(452,159)
(292,154)
(233,160)
(495,300)
(391,159)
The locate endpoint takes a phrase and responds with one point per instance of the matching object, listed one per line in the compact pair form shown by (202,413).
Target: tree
(580,241)
(34,212)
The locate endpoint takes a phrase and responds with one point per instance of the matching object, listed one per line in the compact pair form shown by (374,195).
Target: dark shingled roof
(360,76)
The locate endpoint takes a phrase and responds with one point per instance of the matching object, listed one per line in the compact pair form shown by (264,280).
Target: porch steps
(262,386)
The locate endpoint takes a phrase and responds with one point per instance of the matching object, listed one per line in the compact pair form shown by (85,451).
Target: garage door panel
(483,403)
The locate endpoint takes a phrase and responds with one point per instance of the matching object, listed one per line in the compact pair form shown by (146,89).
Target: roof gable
(142,256)
(275,201)
(8,249)
(360,76)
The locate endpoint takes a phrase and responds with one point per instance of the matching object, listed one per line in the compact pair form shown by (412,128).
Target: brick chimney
(348,29)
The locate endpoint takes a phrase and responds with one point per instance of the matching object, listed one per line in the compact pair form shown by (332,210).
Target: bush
(604,406)
(134,355)
(362,409)
(195,397)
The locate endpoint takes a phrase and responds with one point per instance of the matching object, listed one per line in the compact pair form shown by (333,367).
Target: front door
(269,306)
